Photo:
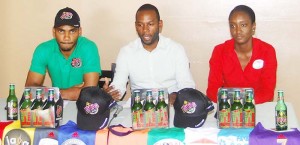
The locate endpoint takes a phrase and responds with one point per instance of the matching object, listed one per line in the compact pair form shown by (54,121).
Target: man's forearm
(70,93)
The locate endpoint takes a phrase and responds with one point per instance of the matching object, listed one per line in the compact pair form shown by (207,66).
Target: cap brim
(70,23)
(184,121)
(92,122)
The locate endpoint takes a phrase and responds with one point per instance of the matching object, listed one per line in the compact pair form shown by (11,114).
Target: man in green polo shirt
(72,61)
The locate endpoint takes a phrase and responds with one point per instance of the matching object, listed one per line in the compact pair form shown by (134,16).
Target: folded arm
(89,79)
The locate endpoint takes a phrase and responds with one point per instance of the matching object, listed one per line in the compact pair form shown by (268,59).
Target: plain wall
(197,24)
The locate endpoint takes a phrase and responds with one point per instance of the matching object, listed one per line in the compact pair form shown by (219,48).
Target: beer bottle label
(49,121)
(12,110)
(281,118)
(237,118)
(25,117)
(137,119)
(37,120)
(150,119)
(249,118)
(162,117)
(224,118)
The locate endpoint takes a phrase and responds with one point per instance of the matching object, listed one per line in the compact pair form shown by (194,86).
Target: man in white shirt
(152,60)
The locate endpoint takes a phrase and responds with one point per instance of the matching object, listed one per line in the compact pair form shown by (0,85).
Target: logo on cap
(91,108)
(188,107)
(66,15)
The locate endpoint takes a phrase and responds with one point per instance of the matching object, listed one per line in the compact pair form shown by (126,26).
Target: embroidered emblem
(188,107)
(76,62)
(258,64)
(66,15)
(282,139)
(91,108)
(51,135)
(75,135)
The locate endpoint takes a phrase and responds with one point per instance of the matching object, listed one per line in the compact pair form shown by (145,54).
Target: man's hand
(172,98)
(115,94)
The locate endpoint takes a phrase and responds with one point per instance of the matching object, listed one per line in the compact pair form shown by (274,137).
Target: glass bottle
(38,101)
(237,110)
(162,110)
(50,101)
(137,111)
(281,113)
(149,105)
(27,101)
(149,109)
(224,110)
(249,110)
(12,104)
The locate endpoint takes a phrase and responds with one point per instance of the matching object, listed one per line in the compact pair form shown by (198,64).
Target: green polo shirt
(65,73)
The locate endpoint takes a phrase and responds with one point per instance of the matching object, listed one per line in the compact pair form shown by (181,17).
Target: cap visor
(184,121)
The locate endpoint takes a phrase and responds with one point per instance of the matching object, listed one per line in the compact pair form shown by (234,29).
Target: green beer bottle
(161,100)
(281,113)
(137,111)
(137,105)
(224,110)
(237,110)
(162,110)
(149,110)
(249,110)
(27,102)
(12,104)
(50,101)
(37,102)
(149,105)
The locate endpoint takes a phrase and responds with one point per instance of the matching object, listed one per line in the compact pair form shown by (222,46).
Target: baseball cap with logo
(191,108)
(93,107)
(67,16)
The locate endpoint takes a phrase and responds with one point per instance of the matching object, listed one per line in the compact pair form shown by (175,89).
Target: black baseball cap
(93,107)
(191,108)
(67,16)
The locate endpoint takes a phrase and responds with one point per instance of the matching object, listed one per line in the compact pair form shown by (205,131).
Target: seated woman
(243,61)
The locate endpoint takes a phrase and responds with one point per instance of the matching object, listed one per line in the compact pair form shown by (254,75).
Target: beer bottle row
(38,103)
(236,115)
(149,114)
(137,105)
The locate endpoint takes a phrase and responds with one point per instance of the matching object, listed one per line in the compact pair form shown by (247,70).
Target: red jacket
(259,74)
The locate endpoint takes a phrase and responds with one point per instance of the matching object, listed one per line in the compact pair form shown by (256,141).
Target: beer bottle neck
(12,91)
(280,97)
(236,98)
(224,100)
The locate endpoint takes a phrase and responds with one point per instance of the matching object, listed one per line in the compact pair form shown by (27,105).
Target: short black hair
(246,9)
(148,7)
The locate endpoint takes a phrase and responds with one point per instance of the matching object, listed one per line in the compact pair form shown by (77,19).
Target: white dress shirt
(167,66)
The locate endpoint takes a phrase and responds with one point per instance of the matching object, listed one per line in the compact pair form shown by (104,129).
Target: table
(264,113)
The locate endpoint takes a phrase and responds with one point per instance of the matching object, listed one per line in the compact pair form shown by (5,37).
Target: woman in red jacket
(243,61)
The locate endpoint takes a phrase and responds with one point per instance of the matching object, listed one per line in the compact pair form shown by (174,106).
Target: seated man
(152,60)
(71,60)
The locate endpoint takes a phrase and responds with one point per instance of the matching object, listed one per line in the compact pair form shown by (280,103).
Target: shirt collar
(160,45)
(57,49)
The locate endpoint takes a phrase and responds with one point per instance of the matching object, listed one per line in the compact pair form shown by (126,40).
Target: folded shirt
(260,135)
